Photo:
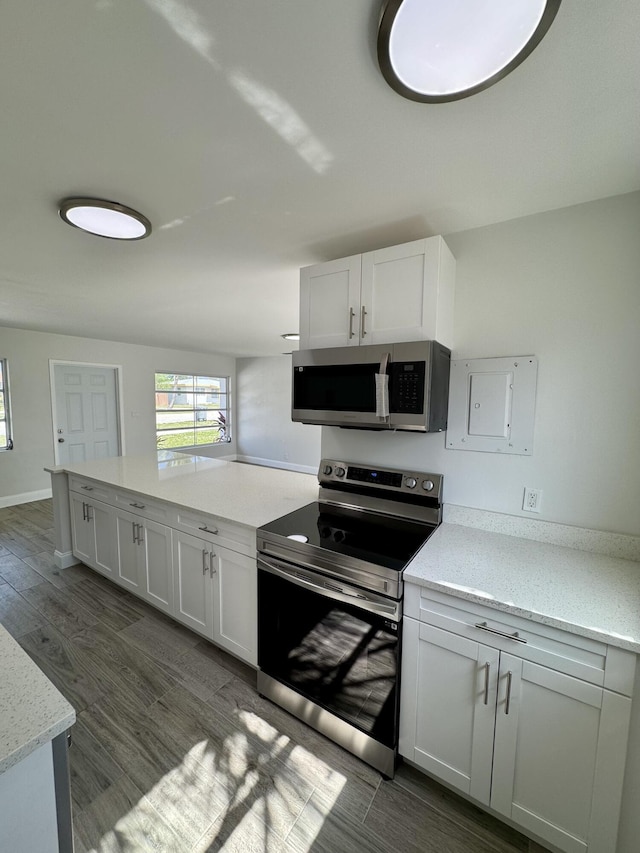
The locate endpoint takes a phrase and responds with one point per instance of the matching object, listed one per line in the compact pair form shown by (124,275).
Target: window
(191,410)
(5,415)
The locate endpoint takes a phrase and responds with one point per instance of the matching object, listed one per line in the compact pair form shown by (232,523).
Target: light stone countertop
(32,710)
(585,593)
(245,494)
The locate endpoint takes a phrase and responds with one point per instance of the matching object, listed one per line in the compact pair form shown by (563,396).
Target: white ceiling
(259,137)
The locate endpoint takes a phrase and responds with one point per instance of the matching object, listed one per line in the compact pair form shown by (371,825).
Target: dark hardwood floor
(173,749)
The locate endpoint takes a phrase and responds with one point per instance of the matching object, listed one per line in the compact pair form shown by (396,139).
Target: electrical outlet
(532,500)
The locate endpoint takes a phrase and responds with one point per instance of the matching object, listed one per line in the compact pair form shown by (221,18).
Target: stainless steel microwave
(402,386)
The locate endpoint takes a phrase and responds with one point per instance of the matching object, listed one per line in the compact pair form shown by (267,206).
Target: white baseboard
(25,498)
(276,463)
(64,559)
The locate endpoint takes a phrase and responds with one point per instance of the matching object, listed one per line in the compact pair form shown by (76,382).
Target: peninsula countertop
(32,710)
(246,494)
(585,593)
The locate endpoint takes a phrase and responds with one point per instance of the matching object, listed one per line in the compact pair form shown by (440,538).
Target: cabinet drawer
(224,533)
(581,657)
(91,489)
(144,507)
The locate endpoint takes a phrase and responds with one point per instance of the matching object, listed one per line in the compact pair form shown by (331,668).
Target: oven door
(336,645)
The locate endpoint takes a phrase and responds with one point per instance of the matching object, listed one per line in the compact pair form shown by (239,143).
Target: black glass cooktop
(378,539)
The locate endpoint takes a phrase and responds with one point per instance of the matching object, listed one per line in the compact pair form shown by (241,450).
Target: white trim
(276,463)
(53,362)
(25,498)
(64,559)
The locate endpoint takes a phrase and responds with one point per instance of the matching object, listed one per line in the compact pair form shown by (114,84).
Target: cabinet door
(448,703)
(154,544)
(128,559)
(330,304)
(83,542)
(559,756)
(192,584)
(104,531)
(401,294)
(235,601)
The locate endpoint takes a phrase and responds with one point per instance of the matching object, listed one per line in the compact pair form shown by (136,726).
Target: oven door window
(334,654)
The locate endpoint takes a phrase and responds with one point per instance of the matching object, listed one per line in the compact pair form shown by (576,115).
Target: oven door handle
(391,610)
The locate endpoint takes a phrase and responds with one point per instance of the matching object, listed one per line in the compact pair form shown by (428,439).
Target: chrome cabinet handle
(515,636)
(352,314)
(137,506)
(87,488)
(89,508)
(487,669)
(507,705)
(140,536)
(84,511)
(204,561)
(206,529)
(212,570)
(362,328)
(133,529)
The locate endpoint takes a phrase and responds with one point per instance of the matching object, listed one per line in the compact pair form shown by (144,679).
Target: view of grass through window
(5,434)
(191,410)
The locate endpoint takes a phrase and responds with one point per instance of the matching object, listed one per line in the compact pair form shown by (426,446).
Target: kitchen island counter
(250,495)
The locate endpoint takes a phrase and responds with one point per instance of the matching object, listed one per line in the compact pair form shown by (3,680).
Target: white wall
(266,432)
(28,354)
(565,286)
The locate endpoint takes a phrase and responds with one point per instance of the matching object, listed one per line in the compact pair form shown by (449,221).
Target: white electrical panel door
(492,404)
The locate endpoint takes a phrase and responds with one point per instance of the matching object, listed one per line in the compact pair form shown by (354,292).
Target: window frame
(5,393)
(195,391)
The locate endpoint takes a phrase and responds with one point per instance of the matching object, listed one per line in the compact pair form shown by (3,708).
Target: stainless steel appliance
(330,602)
(402,386)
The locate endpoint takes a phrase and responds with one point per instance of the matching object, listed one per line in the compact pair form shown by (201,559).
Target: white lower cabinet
(93,532)
(192,584)
(209,587)
(144,559)
(540,746)
(216,593)
(235,603)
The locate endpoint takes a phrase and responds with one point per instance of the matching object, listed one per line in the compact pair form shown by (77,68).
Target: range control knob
(327,470)
(411,482)
(340,472)
(427,485)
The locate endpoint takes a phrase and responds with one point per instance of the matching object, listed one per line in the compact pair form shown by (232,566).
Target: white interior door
(86,412)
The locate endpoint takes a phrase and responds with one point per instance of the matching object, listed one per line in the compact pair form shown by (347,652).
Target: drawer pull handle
(515,636)
(206,529)
(204,561)
(87,488)
(84,511)
(507,705)
(487,670)
(352,314)
(137,506)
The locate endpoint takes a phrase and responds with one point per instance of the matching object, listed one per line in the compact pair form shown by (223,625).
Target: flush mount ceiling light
(105,218)
(440,50)
(291,336)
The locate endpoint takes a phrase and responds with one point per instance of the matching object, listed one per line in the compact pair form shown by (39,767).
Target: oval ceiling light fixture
(291,336)
(104,218)
(436,51)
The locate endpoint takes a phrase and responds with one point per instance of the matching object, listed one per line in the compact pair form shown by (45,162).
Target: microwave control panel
(407,387)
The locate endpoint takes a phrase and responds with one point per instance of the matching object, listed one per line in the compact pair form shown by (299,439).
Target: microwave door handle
(382,388)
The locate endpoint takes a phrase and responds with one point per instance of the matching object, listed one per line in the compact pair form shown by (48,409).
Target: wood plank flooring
(173,749)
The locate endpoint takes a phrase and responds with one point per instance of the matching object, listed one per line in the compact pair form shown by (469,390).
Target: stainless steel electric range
(330,602)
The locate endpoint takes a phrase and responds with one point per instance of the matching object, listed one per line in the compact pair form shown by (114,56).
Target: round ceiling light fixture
(435,51)
(291,336)
(104,218)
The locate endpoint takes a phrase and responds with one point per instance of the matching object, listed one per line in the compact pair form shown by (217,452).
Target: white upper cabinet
(401,293)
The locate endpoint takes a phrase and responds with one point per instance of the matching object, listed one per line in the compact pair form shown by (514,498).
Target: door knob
(61,440)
